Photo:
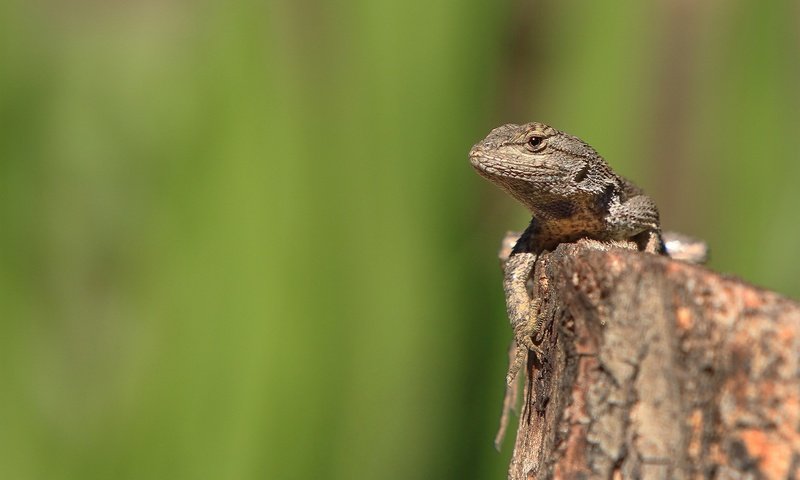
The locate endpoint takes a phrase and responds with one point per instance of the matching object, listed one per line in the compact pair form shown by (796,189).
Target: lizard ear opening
(582,173)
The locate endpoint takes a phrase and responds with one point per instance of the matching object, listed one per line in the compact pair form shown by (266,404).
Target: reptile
(572,193)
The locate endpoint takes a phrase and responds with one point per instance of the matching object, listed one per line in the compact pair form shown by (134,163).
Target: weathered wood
(658,369)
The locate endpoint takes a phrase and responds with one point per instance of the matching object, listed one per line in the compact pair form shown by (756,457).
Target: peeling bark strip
(657,369)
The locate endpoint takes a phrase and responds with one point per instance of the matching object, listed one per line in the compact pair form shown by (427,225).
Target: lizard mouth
(479,161)
(488,165)
(493,168)
(483,166)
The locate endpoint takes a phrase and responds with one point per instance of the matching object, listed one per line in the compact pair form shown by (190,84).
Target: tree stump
(658,369)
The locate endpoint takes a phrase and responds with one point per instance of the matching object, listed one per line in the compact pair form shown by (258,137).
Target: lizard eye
(534,144)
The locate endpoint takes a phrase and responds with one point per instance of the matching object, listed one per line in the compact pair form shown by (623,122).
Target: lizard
(572,193)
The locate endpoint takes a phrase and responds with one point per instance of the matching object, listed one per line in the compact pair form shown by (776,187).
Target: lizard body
(571,193)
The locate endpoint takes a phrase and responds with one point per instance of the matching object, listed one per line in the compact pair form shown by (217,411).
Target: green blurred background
(242,240)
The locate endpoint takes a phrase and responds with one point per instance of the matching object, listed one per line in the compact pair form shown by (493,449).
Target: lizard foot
(520,356)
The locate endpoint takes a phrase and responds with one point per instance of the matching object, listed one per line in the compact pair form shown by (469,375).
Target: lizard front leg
(510,240)
(637,219)
(517,269)
(522,310)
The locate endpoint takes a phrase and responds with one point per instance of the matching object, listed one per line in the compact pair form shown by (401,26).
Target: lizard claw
(527,342)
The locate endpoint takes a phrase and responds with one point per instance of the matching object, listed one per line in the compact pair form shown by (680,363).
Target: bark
(655,368)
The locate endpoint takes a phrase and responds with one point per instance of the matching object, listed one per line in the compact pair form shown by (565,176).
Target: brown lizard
(572,193)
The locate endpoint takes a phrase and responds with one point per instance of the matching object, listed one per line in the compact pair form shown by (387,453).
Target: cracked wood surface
(655,368)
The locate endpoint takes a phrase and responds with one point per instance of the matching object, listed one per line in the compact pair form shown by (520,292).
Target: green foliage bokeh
(242,240)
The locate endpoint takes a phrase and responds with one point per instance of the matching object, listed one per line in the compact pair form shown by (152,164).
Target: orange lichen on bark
(751,298)
(683,316)
(696,425)
(574,459)
(773,455)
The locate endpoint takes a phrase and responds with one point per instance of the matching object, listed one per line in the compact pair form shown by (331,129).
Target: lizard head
(533,161)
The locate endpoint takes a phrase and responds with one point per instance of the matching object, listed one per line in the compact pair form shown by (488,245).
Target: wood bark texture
(657,369)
